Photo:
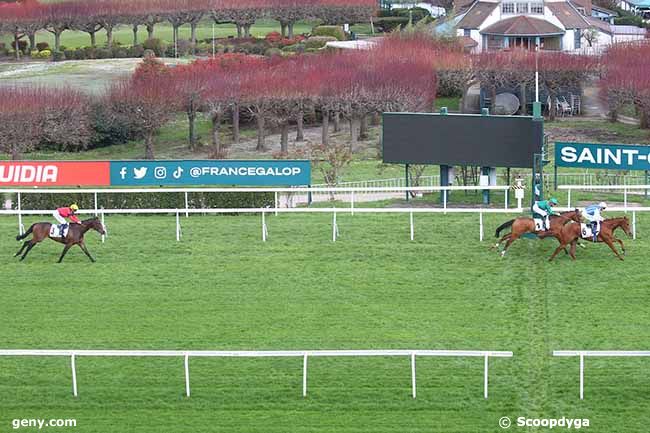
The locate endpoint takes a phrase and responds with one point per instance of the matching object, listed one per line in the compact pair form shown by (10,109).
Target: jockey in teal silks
(544,209)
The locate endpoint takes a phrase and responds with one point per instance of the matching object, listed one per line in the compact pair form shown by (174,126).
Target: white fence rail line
(604,188)
(304,354)
(265,211)
(582,354)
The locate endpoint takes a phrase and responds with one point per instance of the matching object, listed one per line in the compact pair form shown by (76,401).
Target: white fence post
(335,228)
(582,376)
(413,375)
(73,367)
(480,222)
(187,375)
(96,203)
(485,376)
(352,203)
(568,201)
(275,200)
(625,199)
(264,230)
(187,205)
(506,198)
(304,375)
(104,227)
(178,227)
(634,225)
(21,227)
(444,199)
(412,226)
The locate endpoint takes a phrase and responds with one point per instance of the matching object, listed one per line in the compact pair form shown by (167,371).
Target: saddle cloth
(55,231)
(585,231)
(539,224)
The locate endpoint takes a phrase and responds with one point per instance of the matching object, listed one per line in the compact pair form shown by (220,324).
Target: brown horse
(523,225)
(75,236)
(571,233)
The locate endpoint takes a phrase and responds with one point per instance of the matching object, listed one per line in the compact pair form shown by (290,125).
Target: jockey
(66,212)
(593,214)
(544,208)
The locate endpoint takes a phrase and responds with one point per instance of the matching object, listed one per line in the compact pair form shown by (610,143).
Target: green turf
(222,288)
(124,34)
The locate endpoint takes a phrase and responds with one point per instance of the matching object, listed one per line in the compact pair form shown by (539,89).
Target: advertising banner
(609,156)
(211,172)
(49,173)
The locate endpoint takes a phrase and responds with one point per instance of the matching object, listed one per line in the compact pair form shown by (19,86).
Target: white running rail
(304,354)
(582,354)
(625,188)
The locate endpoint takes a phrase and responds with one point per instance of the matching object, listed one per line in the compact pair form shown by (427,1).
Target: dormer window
(537,8)
(507,8)
(522,8)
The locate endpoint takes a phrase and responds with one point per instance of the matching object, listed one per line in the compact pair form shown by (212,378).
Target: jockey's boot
(547,223)
(594,231)
(62,229)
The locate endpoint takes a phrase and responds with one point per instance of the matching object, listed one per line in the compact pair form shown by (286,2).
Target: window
(507,8)
(537,8)
(576,37)
(522,8)
(467,32)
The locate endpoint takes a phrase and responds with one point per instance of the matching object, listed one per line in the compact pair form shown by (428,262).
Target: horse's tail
(503,227)
(27,233)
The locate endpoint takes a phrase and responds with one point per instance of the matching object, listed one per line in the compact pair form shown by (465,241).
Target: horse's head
(625,225)
(95,224)
(576,215)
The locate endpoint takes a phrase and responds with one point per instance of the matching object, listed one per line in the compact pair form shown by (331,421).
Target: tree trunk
(193,36)
(175,37)
(109,36)
(376,119)
(643,119)
(57,40)
(239,30)
(363,128)
(524,100)
(150,28)
(493,96)
(15,153)
(17,46)
(300,135)
(148,146)
(284,139)
(135,35)
(290,26)
(247,31)
(326,128)
(191,118)
(552,112)
(93,39)
(235,123)
(32,41)
(354,134)
(216,138)
(260,132)
(337,121)
(283,27)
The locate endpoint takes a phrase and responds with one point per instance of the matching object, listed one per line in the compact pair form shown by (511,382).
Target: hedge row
(163,200)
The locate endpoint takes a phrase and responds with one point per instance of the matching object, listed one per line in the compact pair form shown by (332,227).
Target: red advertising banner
(50,173)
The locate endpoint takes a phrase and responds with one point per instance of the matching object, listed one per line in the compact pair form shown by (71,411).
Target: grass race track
(222,288)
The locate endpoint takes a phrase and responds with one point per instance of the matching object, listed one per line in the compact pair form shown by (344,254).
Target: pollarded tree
(20,119)
(59,17)
(142,103)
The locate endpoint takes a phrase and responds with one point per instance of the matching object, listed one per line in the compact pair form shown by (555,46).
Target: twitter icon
(140,173)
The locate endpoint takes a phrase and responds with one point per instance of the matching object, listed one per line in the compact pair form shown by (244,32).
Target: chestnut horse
(571,233)
(523,225)
(75,236)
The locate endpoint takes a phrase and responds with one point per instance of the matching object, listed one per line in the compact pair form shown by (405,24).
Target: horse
(75,236)
(571,233)
(523,225)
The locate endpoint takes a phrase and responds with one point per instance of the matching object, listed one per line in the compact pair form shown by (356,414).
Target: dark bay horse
(522,225)
(571,233)
(75,236)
